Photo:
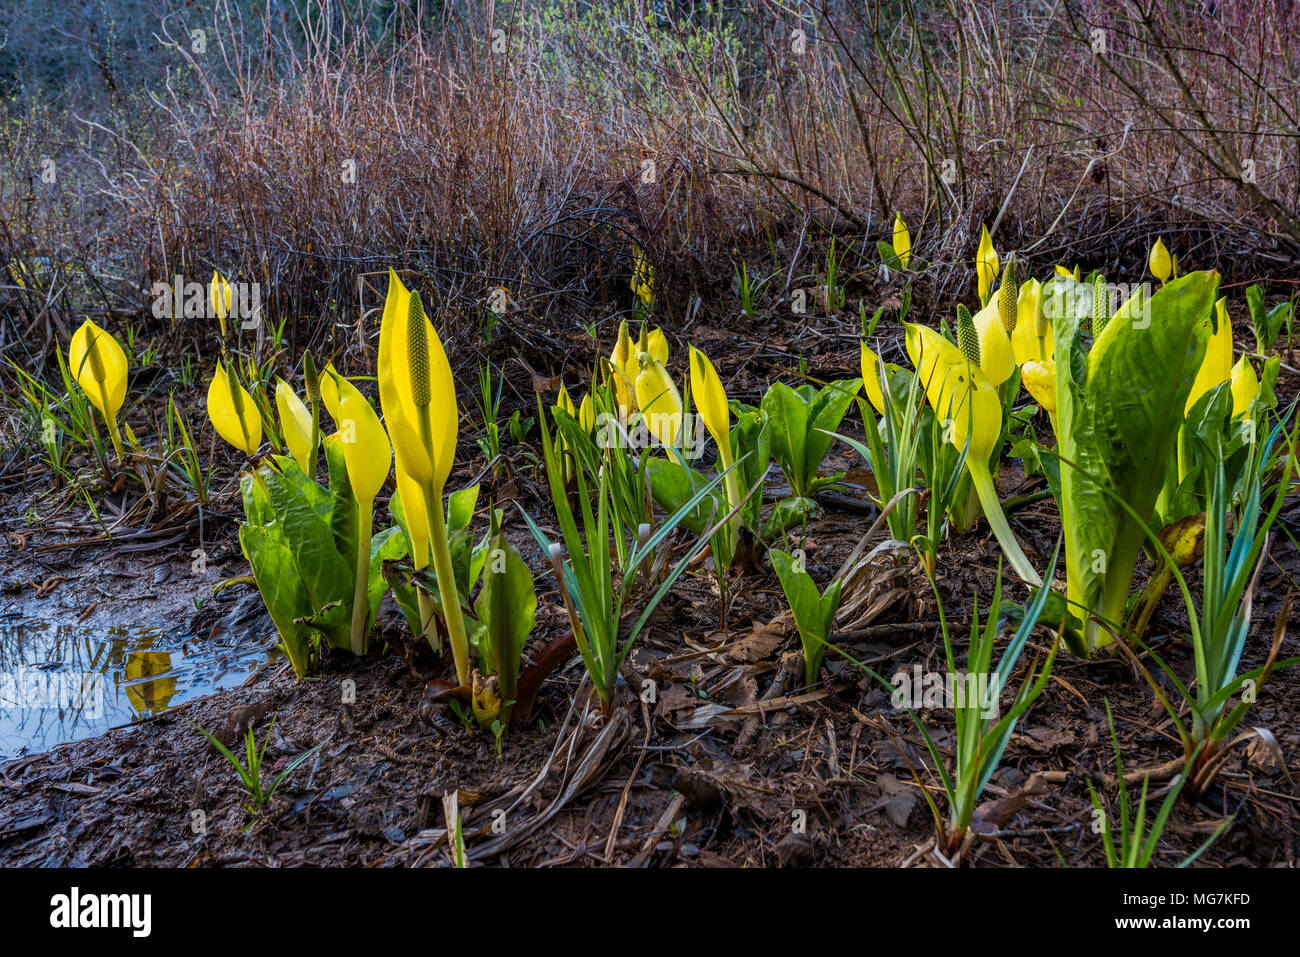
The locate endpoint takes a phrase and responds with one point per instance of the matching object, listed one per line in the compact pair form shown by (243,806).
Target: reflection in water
(151,682)
(63,682)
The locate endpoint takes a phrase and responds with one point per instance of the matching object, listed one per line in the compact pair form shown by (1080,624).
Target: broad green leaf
(824,416)
(787,419)
(396,509)
(787,514)
(507,607)
(460,507)
(673,484)
(479,554)
(344,516)
(282,590)
(257,499)
(801,592)
(388,545)
(1118,409)
(814,613)
(406,596)
(1268,382)
(887,256)
(326,574)
(752,454)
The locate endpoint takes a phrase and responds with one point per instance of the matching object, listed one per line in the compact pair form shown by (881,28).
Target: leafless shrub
(304,150)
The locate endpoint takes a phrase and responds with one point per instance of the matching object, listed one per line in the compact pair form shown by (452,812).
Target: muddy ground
(732,764)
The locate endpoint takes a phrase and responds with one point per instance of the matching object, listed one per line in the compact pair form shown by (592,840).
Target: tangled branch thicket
(529,146)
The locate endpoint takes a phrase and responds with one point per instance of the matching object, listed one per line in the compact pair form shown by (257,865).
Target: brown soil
(732,764)
(678,786)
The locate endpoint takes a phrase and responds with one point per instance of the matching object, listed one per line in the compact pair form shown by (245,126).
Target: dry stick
(1220,162)
(772,175)
(609,739)
(505,802)
(588,765)
(627,788)
(955,116)
(876,181)
(1077,186)
(1024,164)
(789,663)
(665,821)
(909,125)
(875,527)
(1283,216)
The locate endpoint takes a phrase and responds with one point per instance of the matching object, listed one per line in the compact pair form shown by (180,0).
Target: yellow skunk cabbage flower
(587,413)
(417,523)
(643,277)
(656,343)
(566,403)
(623,371)
(711,400)
(1245,386)
(1009,296)
(968,337)
(412,467)
(652,341)
(1076,273)
(968,406)
(902,240)
(986,264)
(1030,322)
(416,390)
(329,393)
(659,401)
(1160,262)
(485,698)
(368,456)
(233,412)
(958,392)
(295,423)
(871,378)
(1039,377)
(418,396)
(365,443)
(221,296)
(98,363)
(411,457)
(397,304)
(1216,367)
(997,358)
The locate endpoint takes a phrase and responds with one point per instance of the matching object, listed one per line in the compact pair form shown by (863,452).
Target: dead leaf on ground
(1049,739)
(901,798)
(991,816)
(759,644)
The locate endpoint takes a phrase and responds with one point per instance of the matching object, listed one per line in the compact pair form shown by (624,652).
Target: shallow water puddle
(63,682)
